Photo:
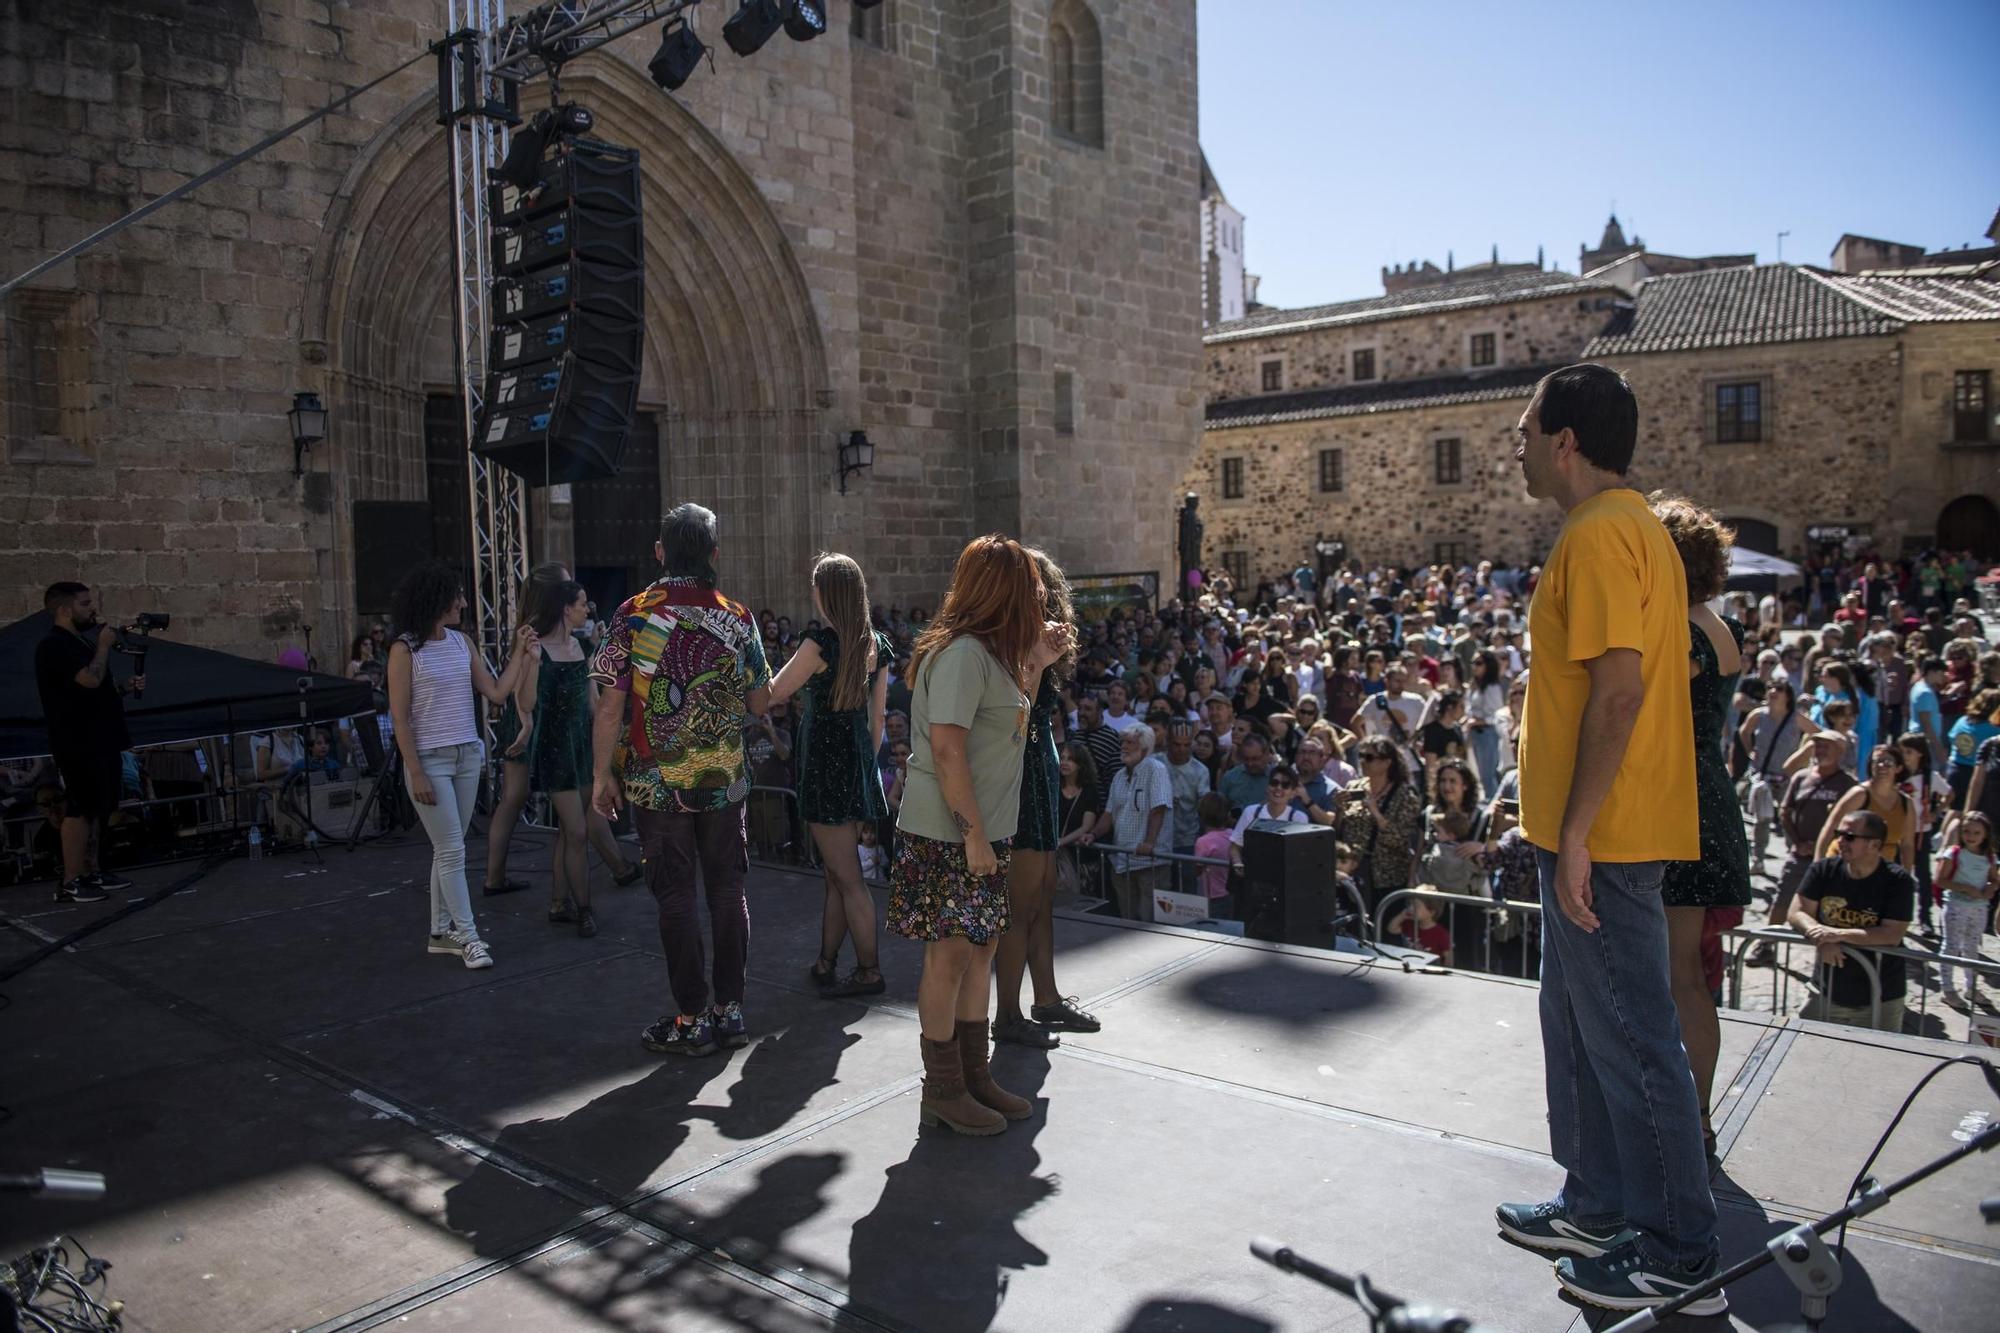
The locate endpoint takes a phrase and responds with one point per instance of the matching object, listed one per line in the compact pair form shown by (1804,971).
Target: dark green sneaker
(1624,1279)
(1547,1227)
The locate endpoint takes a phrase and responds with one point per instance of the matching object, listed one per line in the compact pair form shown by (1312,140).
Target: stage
(310,1123)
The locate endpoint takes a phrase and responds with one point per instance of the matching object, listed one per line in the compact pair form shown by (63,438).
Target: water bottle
(256,843)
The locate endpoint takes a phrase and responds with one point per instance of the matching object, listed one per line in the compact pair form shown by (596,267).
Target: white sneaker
(476,954)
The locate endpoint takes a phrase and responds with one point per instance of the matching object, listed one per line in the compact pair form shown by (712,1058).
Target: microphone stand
(1386,1313)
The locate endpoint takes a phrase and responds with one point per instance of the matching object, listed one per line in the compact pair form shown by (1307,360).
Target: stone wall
(1927,471)
(1546,331)
(839,237)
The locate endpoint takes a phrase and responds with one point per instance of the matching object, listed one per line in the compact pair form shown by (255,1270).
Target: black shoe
(854,985)
(670,1036)
(824,972)
(562,913)
(1763,955)
(82,889)
(631,875)
(1020,1032)
(104,879)
(1064,1016)
(504,886)
(586,922)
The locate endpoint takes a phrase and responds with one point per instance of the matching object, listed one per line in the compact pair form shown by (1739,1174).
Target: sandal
(1065,1016)
(631,875)
(1020,1032)
(562,913)
(854,985)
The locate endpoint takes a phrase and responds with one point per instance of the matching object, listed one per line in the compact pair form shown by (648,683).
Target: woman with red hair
(972,673)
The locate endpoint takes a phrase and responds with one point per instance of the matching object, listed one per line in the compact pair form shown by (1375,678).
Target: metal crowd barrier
(1186,868)
(1494,912)
(1917,978)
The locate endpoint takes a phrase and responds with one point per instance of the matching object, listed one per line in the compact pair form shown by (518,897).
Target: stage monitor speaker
(1290,870)
(390,537)
(569,316)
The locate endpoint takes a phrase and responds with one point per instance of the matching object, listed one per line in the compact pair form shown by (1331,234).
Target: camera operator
(87,736)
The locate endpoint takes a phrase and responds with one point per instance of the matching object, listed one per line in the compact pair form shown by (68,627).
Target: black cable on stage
(1984,1066)
(90,928)
(223,167)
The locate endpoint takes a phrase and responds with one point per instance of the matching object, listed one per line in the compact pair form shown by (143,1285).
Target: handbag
(1069,879)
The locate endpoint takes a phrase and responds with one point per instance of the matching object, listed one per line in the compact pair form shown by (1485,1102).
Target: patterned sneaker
(672,1036)
(1624,1279)
(1064,1016)
(476,954)
(1546,1227)
(82,889)
(729,1025)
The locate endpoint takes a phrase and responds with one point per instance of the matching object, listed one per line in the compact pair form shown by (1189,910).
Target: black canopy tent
(191,693)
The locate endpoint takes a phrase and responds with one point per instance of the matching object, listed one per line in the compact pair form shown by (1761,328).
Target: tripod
(387,791)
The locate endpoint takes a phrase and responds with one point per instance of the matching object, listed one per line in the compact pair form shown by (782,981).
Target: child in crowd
(1213,809)
(1420,928)
(319,760)
(874,861)
(1453,864)
(1967,875)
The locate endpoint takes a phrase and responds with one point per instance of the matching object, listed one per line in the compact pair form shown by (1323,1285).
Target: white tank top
(1972,869)
(441,692)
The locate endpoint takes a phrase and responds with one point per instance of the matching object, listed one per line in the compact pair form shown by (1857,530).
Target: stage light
(680,53)
(753,24)
(806,19)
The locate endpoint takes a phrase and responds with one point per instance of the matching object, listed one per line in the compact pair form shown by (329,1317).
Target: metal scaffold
(483,56)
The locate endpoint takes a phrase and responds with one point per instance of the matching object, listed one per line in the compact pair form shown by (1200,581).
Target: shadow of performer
(936,1250)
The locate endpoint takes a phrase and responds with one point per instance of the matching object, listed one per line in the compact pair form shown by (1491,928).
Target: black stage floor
(309,1122)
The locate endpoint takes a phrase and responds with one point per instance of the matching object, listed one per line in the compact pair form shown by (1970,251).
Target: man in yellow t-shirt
(1607,798)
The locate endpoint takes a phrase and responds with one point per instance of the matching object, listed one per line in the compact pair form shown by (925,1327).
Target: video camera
(135,638)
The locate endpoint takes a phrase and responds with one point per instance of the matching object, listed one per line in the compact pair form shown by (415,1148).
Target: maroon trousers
(676,844)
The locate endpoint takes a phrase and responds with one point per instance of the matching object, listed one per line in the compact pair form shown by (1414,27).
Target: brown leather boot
(945,1098)
(973,1054)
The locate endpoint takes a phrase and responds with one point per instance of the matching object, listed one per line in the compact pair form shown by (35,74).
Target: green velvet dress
(559,751)
(1722,877)
(839,780)
(1041,776)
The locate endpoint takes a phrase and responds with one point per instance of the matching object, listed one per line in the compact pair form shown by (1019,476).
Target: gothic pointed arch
(1076,73)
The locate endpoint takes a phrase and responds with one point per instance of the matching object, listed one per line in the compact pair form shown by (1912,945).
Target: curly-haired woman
(433,672)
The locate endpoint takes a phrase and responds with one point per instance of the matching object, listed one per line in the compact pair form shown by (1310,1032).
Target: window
(1364,364)
(1453,553)
(1076,77)
(1237,565)
(1273,376)
(1329,470)
(1232,479)
(1065,409)
(1739,413)
(47,393)
(1449,460)
(870,25)
(1971,398)
(1483,351)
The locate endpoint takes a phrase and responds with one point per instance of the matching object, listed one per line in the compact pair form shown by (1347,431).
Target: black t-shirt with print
(1847,903)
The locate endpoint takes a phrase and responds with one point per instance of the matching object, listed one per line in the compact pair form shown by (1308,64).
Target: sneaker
(82,889)
(477,955)
(672,1036)
(104,879)
(1624,1279)
(1763,955)
(1953,1000)
(729,1025)
(504,886)
(1064,1016)
(444,941)
(1546,1227)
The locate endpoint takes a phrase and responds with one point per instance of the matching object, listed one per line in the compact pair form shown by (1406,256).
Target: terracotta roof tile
(1383,396)
(1417,300)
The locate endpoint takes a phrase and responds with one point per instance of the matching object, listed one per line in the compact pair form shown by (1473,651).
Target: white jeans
(454,774)
(1964,929)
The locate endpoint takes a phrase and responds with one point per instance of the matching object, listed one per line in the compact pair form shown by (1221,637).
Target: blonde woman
(840,668)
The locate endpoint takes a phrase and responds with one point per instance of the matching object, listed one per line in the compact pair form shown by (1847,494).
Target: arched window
(1076,73)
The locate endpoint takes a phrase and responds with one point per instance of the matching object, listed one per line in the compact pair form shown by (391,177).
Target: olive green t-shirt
(963,685)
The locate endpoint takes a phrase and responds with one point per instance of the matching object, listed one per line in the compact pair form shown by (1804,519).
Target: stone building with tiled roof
(1803,405)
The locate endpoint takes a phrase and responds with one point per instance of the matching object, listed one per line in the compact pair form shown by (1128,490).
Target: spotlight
(866,4)
(806,20)
(753,24)
(679,55)
(574,119)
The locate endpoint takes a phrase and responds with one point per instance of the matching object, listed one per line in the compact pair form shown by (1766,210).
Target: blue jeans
(1485,745)
(1623,1118)
(454,774)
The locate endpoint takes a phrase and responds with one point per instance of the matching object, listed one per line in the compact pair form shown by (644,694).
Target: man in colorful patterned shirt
(681,668)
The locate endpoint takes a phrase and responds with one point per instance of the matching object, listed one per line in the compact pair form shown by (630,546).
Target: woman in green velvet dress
(841,671)
(558,701)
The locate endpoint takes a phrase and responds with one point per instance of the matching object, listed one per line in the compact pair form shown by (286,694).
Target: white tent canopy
(1745,563)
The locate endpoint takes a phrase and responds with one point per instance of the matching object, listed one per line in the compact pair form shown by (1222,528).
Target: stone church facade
(968,229)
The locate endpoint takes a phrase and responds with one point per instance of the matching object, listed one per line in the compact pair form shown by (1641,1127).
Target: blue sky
(1357,135)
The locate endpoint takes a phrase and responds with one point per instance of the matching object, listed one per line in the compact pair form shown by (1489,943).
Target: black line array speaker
(562,379)
(1290,870)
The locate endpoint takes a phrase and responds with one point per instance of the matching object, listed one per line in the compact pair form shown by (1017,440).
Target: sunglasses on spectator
(1849,835)
(1277,783)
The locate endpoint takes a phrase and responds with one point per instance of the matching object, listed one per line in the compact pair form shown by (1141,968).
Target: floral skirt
(932,896)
